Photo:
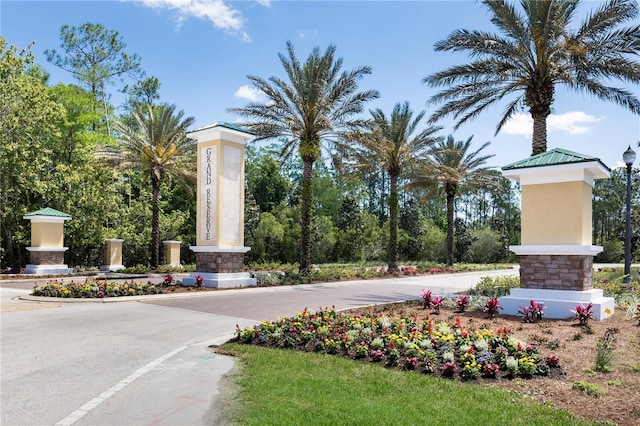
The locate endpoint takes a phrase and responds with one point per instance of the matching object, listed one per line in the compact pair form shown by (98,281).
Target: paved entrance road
(132,363)
(268,303)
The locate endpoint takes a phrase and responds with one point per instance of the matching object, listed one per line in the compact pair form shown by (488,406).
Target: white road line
(86,408)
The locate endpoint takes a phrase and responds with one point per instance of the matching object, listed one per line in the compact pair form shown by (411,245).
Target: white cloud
(307,33)
(265,3)
(250,93)
(572,123)
(216,11)
(519,124)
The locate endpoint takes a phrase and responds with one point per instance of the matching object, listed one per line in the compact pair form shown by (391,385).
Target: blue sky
(202,51)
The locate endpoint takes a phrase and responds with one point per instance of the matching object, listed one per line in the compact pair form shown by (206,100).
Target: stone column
(113,255)
(172,253)
(220,207)
(47,239)
(556,254)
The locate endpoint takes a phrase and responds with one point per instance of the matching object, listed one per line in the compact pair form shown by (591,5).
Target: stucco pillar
(219,245)
(556,251)
(47,242)
(113,255)
(172,252)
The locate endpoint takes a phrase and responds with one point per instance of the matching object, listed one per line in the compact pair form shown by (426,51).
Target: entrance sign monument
(556,251)
(219,245)
(47,239)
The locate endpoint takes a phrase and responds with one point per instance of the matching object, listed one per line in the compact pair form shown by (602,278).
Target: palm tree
(318,102)
(453,167)
(390,144)
(535,50)
(156,142)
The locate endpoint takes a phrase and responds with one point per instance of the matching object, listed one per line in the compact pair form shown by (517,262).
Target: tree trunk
(306,213)
(540,100)
(393,222)
(450,189)
(539,143)
(155,223)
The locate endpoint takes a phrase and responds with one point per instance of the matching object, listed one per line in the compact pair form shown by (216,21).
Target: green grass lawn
(286,387)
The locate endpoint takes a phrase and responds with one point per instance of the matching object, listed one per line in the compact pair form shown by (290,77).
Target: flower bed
(94,289)
(442,349)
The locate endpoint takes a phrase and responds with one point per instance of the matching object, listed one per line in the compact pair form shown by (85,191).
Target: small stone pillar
(113,255)
(220,207)
(172,253)
(556,254)
(47,239)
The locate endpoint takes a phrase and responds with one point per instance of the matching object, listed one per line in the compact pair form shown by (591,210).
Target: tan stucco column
(219,245)
(172,252)
(113,255)
(47,242)
(556,251)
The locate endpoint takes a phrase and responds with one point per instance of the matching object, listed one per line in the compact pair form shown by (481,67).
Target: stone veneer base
(556,272)
(558,303)
(222,280)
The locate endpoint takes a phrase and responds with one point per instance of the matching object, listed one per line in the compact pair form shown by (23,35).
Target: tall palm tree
(452,167)
(317,102)
(394,145)
(156,142)
(536,49)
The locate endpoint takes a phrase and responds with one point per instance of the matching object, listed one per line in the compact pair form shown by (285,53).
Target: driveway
(148,361)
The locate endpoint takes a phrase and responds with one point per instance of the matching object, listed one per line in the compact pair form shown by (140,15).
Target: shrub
(532,313)
(495,286)
(583,313)
(461,303)
(492,307)
(436,304)
(426,299)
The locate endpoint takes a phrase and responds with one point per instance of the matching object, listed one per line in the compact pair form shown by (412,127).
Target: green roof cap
(224,124)
(554,157)
(47,211)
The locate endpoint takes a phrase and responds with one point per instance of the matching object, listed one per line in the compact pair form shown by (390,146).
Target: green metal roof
(553,157)
(47,211)
(225,124)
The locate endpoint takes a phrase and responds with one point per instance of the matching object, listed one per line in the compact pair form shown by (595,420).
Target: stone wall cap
(219,249)
(542,250)
(47,248)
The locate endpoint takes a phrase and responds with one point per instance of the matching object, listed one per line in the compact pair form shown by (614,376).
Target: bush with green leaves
(495,286)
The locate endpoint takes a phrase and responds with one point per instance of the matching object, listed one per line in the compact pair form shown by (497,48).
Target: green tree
(453,166)
(95,56)
(75,127)
(28,116)
(535,50)
(266,182)
(394,142)
(317,103)
(158,145)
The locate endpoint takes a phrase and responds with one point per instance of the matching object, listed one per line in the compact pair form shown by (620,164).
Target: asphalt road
(148,362)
